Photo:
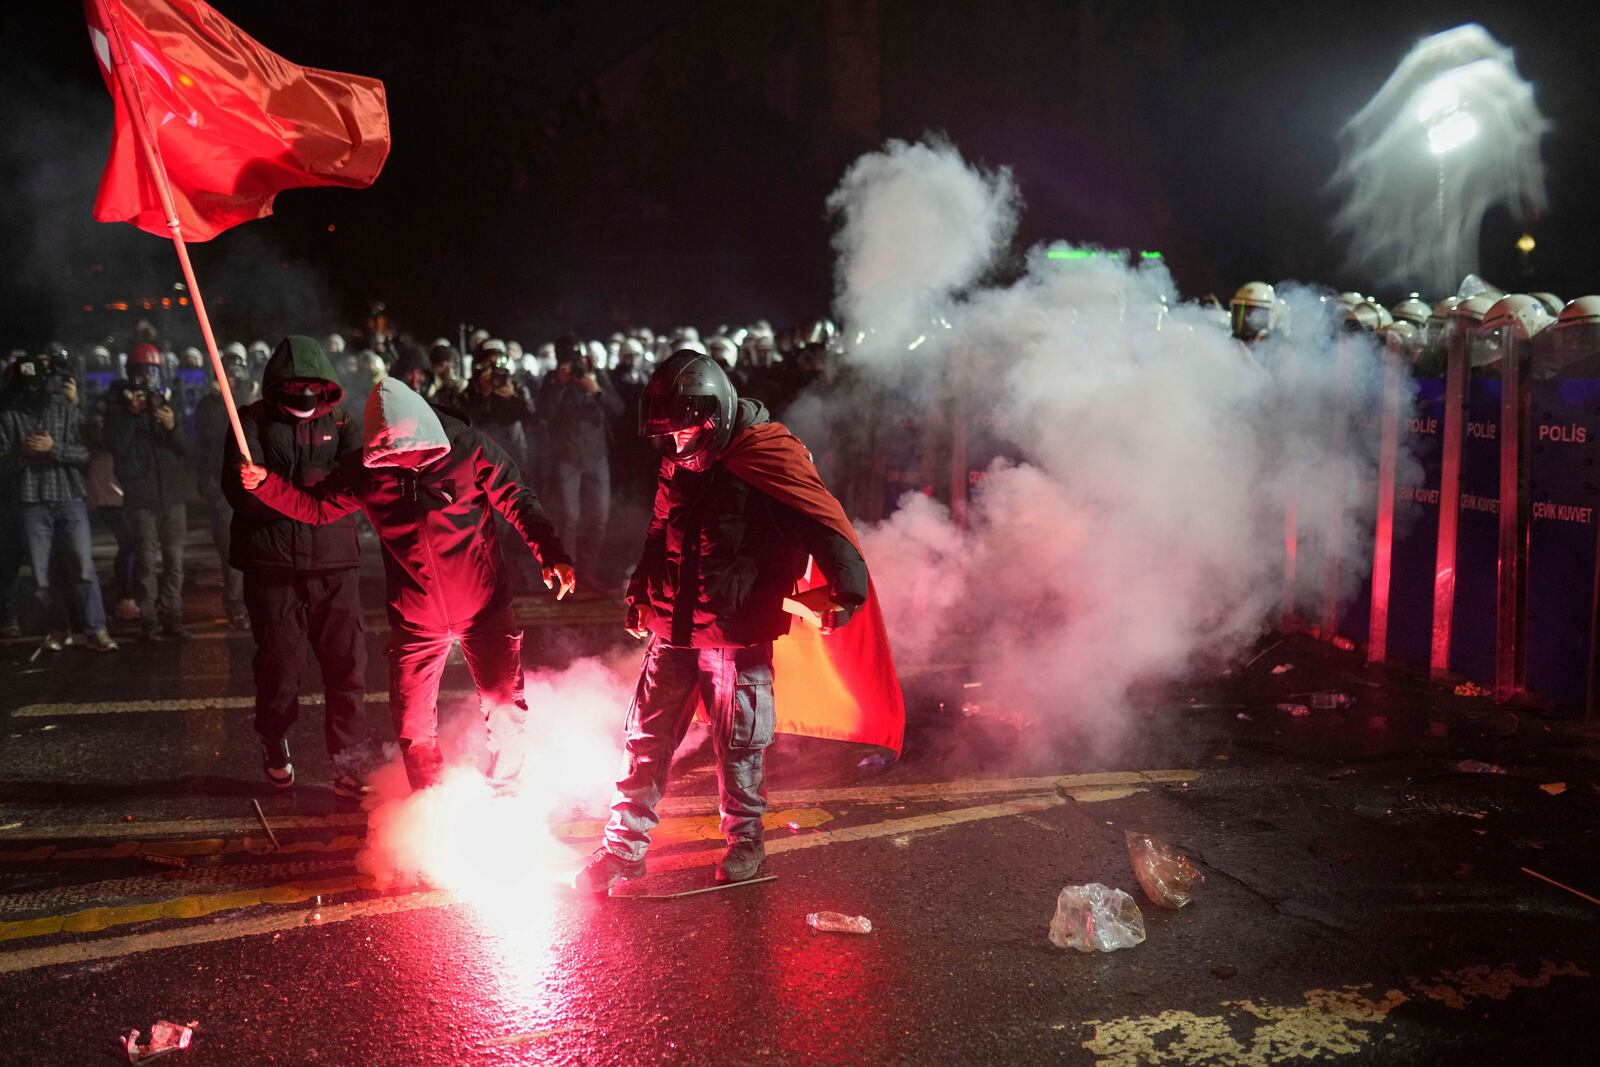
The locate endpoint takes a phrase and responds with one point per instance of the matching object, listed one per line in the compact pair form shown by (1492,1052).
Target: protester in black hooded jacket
(301,582)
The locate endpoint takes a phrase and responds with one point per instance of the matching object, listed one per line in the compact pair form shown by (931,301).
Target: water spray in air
(1453,132)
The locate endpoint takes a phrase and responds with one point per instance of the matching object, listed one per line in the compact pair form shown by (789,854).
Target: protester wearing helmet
(738,510)
(301,583)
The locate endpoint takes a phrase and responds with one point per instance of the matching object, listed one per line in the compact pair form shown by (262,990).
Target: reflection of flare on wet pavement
(459,836)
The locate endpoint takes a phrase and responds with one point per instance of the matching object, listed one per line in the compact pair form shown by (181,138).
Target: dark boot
(741,862)
(604,869)
(423,764)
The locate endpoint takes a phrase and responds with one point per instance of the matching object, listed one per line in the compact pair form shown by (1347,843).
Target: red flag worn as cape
(843,685)
(234,123)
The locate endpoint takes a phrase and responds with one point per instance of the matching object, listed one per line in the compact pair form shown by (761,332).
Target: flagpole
(158,171)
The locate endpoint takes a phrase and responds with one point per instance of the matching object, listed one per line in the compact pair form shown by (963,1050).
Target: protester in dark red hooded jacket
(428,483)
(739,511)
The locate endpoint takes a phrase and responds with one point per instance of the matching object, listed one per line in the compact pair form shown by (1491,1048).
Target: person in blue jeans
(42,448)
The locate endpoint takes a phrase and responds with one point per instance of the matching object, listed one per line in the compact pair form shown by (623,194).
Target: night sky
(587,165)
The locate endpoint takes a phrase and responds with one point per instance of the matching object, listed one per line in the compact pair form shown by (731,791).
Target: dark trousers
(492,645)
(13,550)
(122,570)
(289,611)
(160,534)
(219,514)
(735,685)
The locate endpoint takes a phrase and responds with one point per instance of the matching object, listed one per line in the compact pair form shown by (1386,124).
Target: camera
(500,376)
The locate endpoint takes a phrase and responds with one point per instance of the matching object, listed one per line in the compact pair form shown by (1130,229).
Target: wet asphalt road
(1365,901)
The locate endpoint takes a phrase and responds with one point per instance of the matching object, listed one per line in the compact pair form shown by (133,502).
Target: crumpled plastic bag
(1096,918)
(165,1037)
(1165,874)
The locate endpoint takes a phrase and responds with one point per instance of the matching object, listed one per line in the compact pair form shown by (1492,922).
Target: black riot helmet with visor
(689,393)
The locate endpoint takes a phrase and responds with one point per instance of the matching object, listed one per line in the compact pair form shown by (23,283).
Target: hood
(400,429)
(299,357)
(749,413)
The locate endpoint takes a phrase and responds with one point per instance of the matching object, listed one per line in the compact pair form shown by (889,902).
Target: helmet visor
(144,376)
(1250,322)
(662,415)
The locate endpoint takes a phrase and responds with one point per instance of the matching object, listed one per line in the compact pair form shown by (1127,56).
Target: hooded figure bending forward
(427,482)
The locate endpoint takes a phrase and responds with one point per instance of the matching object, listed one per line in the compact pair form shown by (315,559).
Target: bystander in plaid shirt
(57,475)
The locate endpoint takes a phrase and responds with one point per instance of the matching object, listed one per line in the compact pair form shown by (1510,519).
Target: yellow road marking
(204,846)
(215,703)
(889,828)
(680,828)
(1329,1022)
(106,948)
(173,827)
(1083,787)
(113,947)
(93,920)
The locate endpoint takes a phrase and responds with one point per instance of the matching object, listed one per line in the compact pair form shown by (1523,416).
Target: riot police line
(1484,551)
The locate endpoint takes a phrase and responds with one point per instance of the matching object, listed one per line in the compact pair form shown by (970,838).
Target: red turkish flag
(234,123)
(843,685)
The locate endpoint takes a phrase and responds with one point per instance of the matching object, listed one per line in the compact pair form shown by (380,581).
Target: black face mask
(297,405)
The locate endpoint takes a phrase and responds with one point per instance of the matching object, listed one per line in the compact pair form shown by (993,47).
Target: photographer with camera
(499,407)
(495,404)
(577,405)
(42,451)
(151,456)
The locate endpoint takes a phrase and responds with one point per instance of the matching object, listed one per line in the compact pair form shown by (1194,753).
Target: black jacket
(440,553)
(502,418)
(720,556)
(303,451)
(576,423)
(152,465)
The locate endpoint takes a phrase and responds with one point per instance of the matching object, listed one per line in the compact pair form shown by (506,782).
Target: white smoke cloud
(1453,132)
(936,225)
(1134,527)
